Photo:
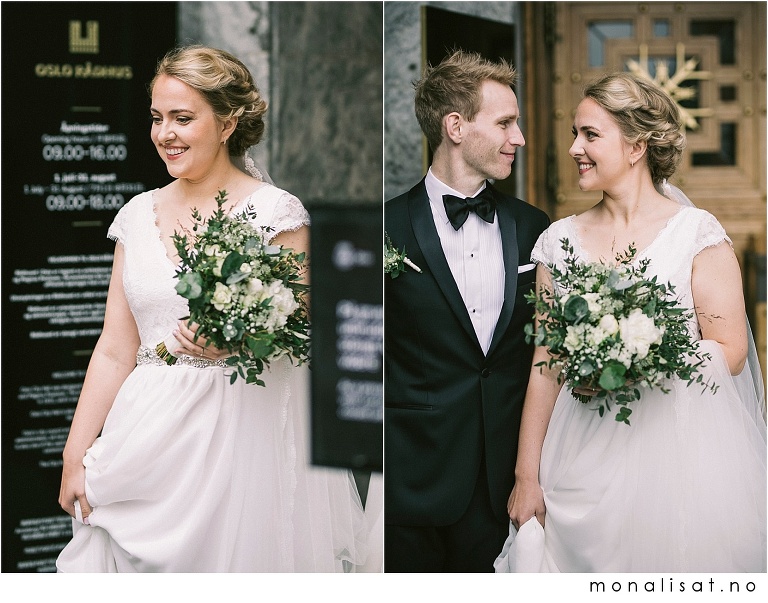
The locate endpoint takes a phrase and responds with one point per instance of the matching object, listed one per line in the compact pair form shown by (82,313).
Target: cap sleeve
(549,243)
(289,215)
(709,232)
(117,229)
(132,217)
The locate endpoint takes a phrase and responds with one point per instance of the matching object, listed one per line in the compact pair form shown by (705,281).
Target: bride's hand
(196,345)
(525,501)
(73,489)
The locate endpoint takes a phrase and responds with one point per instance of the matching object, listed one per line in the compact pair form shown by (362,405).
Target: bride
(683,489)
(172,468)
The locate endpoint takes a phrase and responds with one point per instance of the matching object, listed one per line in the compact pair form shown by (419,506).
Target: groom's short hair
(454,85)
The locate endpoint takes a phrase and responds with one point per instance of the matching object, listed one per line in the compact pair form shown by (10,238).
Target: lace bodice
(671,253)
(149,275)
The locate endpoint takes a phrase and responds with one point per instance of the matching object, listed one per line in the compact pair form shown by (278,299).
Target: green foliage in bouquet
(244,293)
(614,329)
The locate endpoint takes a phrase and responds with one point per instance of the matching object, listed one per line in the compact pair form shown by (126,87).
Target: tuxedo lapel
(508,228)
(429,242)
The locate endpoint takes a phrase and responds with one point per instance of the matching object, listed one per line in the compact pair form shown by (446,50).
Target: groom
(456,361)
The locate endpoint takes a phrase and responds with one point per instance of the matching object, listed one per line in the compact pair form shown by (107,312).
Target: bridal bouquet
(613,330)
(244,293)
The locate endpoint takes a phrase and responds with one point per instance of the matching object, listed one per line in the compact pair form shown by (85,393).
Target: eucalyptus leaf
(231,264)
(236,277)
(586,368)
(612,377)
(576,309)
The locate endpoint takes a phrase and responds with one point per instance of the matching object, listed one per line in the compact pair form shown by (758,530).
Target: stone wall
(319,64)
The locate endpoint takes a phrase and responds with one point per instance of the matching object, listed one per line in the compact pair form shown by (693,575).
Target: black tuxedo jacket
(446,403)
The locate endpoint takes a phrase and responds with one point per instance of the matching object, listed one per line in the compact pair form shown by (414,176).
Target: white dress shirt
(474,255)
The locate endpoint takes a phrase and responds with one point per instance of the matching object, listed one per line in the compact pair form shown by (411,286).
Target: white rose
(286,302)
(212,250)
(283,303)
(245,268)
(255,286)
(222,297)
(609,324)
(573,338)
(639,333)
(265,291)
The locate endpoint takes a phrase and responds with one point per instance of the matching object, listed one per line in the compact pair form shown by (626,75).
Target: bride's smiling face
(186,133)
(599,148)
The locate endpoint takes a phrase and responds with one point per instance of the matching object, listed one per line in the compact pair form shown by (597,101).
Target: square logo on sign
(87,43)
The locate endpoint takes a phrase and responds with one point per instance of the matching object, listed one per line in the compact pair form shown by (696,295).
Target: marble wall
(404,151)
(328,77)
(319,64)
(242,28)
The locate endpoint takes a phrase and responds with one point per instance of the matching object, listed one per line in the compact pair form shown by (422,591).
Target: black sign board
(347,262)
(75,148)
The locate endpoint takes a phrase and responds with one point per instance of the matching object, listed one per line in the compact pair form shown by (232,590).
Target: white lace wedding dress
(683,489)
(192,474)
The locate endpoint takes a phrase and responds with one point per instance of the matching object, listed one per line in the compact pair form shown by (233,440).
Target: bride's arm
(719,300)
(113,358)
(297,240)
(527,498)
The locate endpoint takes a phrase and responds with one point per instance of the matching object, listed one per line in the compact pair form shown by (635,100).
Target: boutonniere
(395,261)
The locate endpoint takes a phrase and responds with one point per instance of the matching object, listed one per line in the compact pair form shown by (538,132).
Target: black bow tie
(484,205)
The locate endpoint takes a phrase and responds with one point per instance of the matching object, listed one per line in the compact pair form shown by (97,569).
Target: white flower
(574,338)
(590,283)
(286,302)
(222,297)
(621,354)
(593,302)
(212,250)
(596,335)
(248,301)
(282,298)
(217,268)
(639,333)
(609,324)
(245,268)
(255,286)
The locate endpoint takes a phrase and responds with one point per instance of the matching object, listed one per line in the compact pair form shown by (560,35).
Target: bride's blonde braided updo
(227,85)
(643,111)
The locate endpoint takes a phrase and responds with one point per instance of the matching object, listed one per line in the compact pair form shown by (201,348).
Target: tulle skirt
(681,489)
(193,474)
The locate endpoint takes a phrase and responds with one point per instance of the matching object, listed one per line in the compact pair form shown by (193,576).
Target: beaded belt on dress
(147,355)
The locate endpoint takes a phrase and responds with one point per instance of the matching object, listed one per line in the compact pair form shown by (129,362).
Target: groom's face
(493,137)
